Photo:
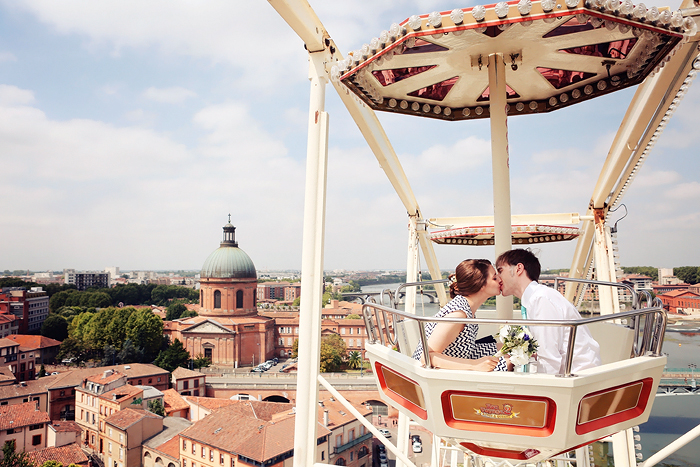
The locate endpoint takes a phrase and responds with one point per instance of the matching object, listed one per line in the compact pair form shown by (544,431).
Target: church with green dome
(228,330)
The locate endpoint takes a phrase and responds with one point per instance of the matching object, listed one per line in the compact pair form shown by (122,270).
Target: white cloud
(98,184)
(463,154)
(219,31)
(12,95)
(110,89)
(172,95)
(689,190)
(7,57)
(139,116)
(647,179)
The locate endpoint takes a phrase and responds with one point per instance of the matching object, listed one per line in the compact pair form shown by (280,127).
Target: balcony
(354,442)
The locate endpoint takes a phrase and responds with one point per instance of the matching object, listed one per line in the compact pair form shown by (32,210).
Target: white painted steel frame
(500,169)
(305,427)
(303,20)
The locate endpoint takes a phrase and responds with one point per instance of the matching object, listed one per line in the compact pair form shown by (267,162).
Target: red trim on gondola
(502,453)
(619,417)
(395,396)
(546,429)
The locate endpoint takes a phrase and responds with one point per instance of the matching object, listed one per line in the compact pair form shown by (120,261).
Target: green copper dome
(229,261)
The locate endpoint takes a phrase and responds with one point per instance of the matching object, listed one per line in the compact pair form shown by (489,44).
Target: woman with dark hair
(453,345)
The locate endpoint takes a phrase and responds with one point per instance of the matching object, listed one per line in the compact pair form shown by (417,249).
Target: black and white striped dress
(465,345)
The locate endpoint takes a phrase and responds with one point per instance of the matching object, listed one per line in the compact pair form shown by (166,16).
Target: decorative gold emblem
(495,411)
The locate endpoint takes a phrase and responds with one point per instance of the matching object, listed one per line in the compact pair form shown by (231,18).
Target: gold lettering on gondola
(495,411)
(507,411)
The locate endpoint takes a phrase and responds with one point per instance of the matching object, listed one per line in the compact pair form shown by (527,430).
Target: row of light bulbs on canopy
(625,9)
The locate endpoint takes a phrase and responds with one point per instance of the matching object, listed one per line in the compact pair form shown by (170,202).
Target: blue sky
(129,130)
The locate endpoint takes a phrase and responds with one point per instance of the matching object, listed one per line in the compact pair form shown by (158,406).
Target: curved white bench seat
(518,416)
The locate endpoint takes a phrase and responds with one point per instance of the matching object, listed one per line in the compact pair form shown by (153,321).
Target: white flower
(521,335)
(505,332)
(518,356)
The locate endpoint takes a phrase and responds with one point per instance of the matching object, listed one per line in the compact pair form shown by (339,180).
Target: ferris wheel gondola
(521,416)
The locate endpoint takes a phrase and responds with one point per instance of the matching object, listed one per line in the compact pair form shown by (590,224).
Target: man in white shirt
(519,270)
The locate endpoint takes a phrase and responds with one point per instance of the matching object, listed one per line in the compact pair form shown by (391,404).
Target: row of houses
(113,422)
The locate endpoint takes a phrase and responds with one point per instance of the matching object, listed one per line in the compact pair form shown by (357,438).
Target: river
(671,416)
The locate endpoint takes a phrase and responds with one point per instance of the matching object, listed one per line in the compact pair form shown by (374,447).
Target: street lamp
(692,367)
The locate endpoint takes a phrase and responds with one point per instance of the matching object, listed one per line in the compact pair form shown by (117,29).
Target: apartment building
(350,442)
(87,403)
(21,361)
(83,280)
(25,425)
(189,383)
(124,434)
(9,324)
(30,307)
(41,349)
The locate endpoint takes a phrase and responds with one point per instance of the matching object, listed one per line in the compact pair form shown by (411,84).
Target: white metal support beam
(410,307)
(501,169)
(312,269)
(303,20)
(431,262)
(604,265)
(579,264)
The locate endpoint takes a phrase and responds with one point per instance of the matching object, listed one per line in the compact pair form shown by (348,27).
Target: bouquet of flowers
(517,342)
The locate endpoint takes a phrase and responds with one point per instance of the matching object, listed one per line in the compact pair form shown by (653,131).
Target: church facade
(228,330)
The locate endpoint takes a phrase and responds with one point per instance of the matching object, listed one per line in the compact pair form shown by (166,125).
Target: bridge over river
(673,381)
(364,297)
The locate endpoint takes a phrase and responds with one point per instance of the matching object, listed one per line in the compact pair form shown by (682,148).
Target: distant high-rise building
(113,272)
(85,279)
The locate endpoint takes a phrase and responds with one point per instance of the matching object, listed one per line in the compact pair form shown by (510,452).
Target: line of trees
(688,274)
(334,354)
(649,271)
(128,294)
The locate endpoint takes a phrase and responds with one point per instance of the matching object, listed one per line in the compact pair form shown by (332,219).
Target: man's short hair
(524,257)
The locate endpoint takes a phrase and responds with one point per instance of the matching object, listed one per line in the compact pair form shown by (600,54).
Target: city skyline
(131,131)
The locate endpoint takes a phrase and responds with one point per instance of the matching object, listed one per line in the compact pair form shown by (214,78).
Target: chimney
(325,418)
(107,374)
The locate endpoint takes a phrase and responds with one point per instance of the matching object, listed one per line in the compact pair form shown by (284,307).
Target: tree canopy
(333,352)
(174,356)
(11,458)
(90,334)
(55,327)
(688,274)
(121,295)
(156,406)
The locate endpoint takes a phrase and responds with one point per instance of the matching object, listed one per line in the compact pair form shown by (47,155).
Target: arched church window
(239,299)
(217,299)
